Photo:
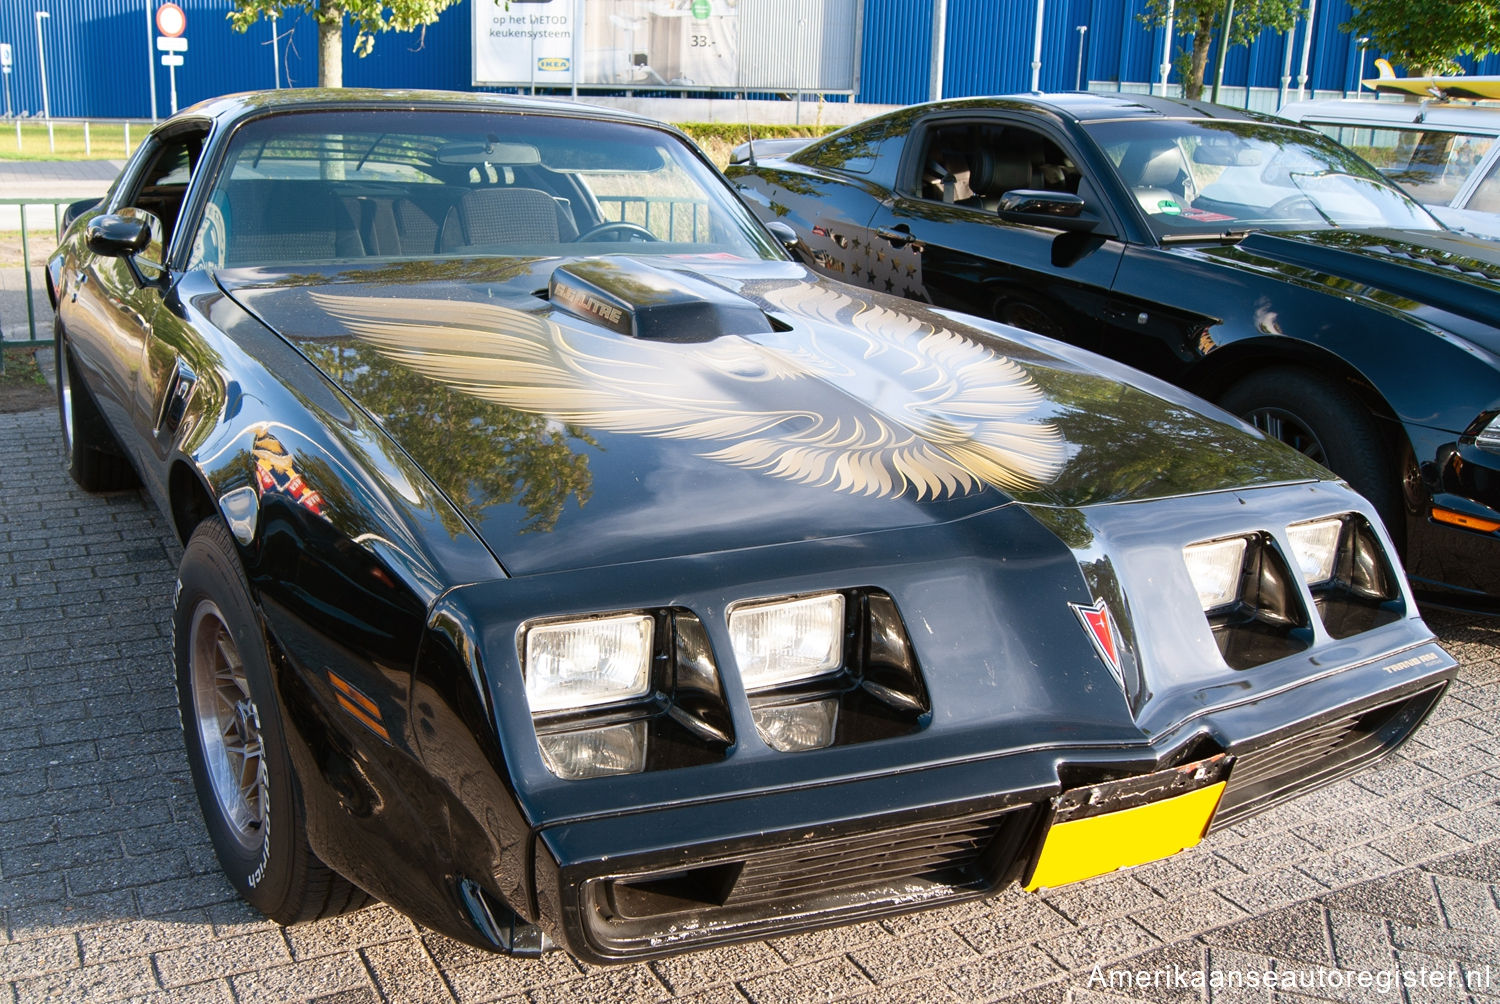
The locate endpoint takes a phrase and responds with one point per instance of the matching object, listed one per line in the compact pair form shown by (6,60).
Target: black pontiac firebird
(1252,261)
(565,564)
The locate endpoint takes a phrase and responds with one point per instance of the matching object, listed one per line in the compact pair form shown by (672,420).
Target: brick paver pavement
(110,891)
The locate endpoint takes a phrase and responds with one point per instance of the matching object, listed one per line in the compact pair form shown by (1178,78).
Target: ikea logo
(554,64)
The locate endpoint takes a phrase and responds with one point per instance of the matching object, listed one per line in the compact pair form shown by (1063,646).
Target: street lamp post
(41,58)
(1083,30)
(1359,68)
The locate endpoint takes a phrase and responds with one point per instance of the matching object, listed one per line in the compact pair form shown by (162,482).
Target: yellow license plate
(1082,848)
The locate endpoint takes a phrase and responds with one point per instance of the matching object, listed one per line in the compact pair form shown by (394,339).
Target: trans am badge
(862,399)
(1100,627)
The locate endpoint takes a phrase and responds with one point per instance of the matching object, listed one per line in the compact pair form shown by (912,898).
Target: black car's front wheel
(1327,423)
(94,459)
(235,741)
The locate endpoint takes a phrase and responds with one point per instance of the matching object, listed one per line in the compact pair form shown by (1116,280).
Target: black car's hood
(605,410)
(1447,279)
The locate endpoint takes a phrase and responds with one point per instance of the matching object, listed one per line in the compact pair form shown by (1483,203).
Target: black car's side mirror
(115,236)
(784,233)
(131,234)
(1038,208)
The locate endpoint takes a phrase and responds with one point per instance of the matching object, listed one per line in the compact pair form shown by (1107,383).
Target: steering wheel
(1293,205)
(624,229)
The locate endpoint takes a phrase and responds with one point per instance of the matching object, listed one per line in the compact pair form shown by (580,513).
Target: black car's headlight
(1249,597)
(581,664)
(784,642)
(1488,437)
(622,693)
(827,669)
(1249,593)
(1344,565)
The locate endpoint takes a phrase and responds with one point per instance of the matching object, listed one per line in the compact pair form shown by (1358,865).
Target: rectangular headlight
(785,641)
(1215,566)
(1315,548)
(580,664)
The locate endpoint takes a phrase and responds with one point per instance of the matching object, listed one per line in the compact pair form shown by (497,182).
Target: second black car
(1253,262)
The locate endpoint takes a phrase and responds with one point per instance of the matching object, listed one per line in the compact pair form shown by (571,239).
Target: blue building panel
(100,55)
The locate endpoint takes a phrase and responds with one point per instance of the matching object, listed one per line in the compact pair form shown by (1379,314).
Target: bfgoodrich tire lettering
(235,742)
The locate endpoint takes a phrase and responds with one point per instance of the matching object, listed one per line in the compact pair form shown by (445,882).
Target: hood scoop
(644,301)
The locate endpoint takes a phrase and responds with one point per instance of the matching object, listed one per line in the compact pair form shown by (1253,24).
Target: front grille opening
(1275,771)
(816,880)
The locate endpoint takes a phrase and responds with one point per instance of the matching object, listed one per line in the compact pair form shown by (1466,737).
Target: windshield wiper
(1226,237)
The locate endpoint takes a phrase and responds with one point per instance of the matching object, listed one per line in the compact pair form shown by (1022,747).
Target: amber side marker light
(358,705)
(1467,522)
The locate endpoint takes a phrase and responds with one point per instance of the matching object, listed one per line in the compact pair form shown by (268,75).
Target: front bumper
(636,885)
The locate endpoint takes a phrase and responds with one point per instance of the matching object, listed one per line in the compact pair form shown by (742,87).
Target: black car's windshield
(1209,177)
(340,186)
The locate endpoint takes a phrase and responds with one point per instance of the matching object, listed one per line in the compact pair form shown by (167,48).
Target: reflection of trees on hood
(1132,445)
(482,453)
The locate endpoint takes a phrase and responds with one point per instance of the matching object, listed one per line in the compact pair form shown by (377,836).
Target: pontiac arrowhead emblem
(1100,626)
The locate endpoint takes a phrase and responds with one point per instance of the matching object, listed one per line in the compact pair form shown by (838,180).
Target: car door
(114,304)
(940,230)
(827,192)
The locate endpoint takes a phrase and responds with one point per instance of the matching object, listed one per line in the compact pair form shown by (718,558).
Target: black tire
(93,457)
(236,743)
(1325,421)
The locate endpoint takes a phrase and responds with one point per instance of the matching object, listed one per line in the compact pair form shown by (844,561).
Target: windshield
(1206,178)
(323,187)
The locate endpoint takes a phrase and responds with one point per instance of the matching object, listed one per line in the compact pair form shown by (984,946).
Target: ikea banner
(607,43)
(524,41)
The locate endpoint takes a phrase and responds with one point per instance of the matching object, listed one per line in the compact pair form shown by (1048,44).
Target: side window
(974,163)
(853,150)
(1486,198)
(161,185)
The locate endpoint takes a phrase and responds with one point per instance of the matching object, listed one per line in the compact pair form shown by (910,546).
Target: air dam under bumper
(666,880)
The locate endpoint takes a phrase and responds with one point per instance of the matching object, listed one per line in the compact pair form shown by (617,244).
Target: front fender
(346,547)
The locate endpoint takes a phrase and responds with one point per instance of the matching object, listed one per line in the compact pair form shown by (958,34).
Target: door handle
(897,236)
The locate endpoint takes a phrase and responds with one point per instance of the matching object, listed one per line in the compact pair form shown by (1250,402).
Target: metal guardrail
(57,204)
(38,122)
(682,214)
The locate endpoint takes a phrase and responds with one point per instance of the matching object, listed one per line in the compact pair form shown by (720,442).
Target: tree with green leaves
(1203,19)
(369,16)
(1428,40)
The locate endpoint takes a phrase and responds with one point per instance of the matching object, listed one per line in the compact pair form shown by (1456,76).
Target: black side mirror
(785,234)
(116,236)
(131,234)
(1037,208)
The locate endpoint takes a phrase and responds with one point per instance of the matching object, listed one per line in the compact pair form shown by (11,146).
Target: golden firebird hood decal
(919,409)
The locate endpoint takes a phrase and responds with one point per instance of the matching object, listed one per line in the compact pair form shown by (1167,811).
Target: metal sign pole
(5,61)
(150,62)
(41,58)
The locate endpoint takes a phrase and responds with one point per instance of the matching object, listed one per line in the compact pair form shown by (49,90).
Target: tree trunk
(331,46)
(1203,38)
